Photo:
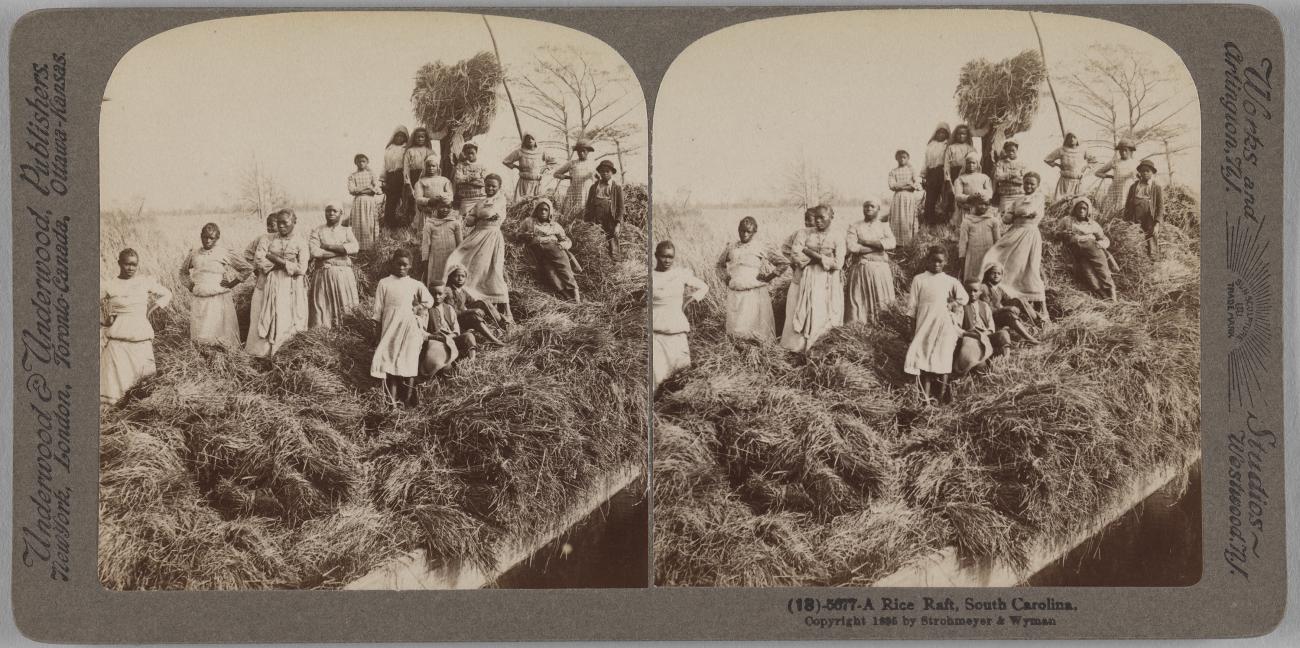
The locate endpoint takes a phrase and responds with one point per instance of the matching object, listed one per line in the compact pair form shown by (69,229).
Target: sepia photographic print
(372,299)
(927,304)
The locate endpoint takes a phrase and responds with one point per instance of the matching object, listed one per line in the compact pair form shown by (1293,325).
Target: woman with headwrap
(548,249)
(282,311)
(1073,161)
(1020,249)
(333,283)
(934,175)
(428,191)
(970,187)
(413,164)
(870,275)
(532,163)
(1088,245)
(483,250)
(954,162)
(394,177)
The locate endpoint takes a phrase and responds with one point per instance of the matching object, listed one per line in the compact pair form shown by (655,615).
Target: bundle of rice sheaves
(226,472)
(826,468)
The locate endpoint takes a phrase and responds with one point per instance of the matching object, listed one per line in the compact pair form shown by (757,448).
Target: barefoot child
(210,272)
(472,313)
(363,186)
(605,205)
(401,309)
(934,301)
(745,269)
(445,343)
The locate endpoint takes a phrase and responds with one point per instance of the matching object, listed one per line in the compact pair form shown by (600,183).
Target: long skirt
(974,262)
(552,268)
(934,188)
(1092,267)
(213,319)
(789,338)
(400,348)
(1020,251)
(394,184)
(333,293)
(406,211)
(672,353)
(933,341)
(483,253)
(527,188)
(123,363)
(750,315)
(818,307)
(281,313)
(365,221)
(1066,187)
(903,214)
(870,289)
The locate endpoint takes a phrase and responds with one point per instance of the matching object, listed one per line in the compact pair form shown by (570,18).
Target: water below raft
(1155,544)
(605,549)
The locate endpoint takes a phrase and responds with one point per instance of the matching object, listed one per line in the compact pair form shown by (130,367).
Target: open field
(771,469)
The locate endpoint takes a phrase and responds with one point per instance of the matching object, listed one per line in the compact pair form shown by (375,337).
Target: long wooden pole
(515,111)
(1042,52)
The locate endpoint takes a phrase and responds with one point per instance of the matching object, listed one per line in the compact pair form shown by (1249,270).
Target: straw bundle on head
(458,98)
(1005,93)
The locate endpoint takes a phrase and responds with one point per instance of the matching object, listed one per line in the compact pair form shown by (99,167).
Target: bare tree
(1123,93)
(573,96)
(805,185)
(259,193)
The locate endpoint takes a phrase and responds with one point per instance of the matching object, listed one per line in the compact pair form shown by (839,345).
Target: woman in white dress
(126,301)
(673,287)
(483,250)
(1019,251)
(819,305)
(210,272)
(746,268)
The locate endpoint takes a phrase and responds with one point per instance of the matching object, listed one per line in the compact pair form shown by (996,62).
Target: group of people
(425,324)
(997,295)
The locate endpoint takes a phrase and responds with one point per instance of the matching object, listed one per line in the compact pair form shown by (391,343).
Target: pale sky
(847,89)
(186,111)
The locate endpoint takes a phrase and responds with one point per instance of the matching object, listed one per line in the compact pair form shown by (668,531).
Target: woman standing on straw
(580,173)
(282,310)
(954,163)
(908,196)
(1121,170)
(401,308)
(969,188)
(1019,251)
(210,272)
(333,284)
(413,163)
(364,187)
(745,269)
(483,251)
(532,163)
(820,303)
(442,234)
(870,277)
(934,300)
(125,306)
(394,174)
(672,288)
(796,272)
(468,179)
(1008,177)
(935,178)
(1073,161)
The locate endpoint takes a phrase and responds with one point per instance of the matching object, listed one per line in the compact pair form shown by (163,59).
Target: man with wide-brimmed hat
(1145,205)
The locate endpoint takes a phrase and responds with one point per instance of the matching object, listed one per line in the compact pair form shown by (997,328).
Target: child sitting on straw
(1008,312)
(935,302)
(401,309)
(979,325)
(980,229)
(210,272)
(472,313)
(445,344)
(442,234)
(745,269)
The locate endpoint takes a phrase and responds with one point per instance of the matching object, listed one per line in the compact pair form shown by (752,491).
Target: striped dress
(365,207)
(906,205)
(1074,163)
(581,174)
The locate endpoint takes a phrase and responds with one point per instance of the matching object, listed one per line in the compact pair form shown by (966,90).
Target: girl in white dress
(210,272)
(401,308)
(934,300)
(673,287)
(126,301)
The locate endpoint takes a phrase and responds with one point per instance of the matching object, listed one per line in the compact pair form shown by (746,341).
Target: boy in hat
(605,205)
(1145,205)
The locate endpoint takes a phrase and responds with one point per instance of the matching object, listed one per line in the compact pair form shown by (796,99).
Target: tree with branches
(259,193)
(457,102)
(574,97)
(998,100)
(1123,93)
(805,185)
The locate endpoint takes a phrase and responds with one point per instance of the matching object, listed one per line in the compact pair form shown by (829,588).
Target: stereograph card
(648,323)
